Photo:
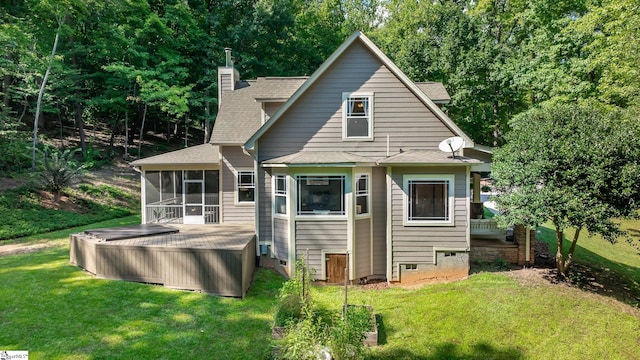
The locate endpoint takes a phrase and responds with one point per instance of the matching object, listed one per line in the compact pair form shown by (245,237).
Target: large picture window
(321,195)
(358,119)
(280,194)
(246,186)
(428,199)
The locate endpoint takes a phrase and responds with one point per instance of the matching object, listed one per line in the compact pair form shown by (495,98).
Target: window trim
(320,216)
(250,186)
(407,179)
(280,193)
(357,194)
(345,98)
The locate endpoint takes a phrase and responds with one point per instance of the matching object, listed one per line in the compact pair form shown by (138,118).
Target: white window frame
(362,193)
(240,186)
(409,179)
(345,115)
(280,194)
(321,214)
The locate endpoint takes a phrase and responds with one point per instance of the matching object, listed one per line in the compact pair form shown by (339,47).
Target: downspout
(389,223)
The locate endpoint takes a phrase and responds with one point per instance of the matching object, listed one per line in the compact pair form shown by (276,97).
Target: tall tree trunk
(39,102)
(563,263)
(496,125)
(144,117)
(126,135)
(6,83)
(207,120)
(186,130)
(80,125)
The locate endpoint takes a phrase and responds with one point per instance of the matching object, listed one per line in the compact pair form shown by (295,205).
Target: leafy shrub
(14,152)
(58,169)
(294,296)
(304,340)
(348,333)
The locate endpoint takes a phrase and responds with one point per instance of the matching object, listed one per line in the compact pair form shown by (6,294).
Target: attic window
(357,116)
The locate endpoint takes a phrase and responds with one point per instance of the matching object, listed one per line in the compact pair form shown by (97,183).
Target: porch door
(335,266)
(193,202)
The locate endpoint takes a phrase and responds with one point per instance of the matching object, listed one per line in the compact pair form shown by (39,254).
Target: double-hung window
(362,194)
(321,195)
(246,186)
(280,194)
(357,116)
(428,199)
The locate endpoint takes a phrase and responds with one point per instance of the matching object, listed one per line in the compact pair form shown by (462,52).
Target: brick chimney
(227,76)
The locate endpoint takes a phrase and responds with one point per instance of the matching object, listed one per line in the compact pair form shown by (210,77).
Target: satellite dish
(451,144)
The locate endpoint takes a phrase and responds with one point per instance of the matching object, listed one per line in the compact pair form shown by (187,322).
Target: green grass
(56,311)
(23,215)
(623,257)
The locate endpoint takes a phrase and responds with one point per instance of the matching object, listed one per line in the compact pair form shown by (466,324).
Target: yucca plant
(58,170)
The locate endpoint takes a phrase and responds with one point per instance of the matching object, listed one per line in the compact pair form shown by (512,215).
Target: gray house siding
(234,159)
(265,204)
(281,238)
(379,204)
(314,122)
(362,251)
(414,244)
(315,236)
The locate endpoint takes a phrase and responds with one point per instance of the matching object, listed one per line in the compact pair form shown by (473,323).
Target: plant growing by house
(58,169)
(573,165)
(314,334)
(348,332)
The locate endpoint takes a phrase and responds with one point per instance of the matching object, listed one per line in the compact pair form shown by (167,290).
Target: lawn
(57,311)
(621,259)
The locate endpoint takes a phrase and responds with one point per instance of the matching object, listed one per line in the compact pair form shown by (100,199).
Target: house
(343,167)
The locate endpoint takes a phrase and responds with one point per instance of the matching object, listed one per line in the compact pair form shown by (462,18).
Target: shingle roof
(427,157)
(240,114)
(194,155)
(320,158)
(434,91)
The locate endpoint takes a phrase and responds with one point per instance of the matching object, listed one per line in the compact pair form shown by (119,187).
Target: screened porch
(181,197)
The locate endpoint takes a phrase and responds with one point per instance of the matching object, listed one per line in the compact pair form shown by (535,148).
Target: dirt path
(14,249)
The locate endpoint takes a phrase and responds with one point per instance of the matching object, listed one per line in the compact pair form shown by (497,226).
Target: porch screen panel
(211,186)
(429,200)
(168,186)
(152,187)
(179,178)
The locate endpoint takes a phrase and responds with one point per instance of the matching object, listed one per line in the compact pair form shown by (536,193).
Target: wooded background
(132,66)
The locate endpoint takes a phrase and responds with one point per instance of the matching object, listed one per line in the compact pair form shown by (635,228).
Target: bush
(348,333)
(58,169)
(14,152)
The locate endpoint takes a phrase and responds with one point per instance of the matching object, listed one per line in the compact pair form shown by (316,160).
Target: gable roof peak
(359,36)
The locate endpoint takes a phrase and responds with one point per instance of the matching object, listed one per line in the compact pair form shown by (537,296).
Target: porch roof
(205,154)
(427,157)
(320,158)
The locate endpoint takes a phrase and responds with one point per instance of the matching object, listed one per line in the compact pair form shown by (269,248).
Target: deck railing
(161,213)
(212,214)
(486,228)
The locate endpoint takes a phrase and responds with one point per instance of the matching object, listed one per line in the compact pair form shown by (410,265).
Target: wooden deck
(217,259)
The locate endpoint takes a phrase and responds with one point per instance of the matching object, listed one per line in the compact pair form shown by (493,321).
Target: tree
(575,166)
